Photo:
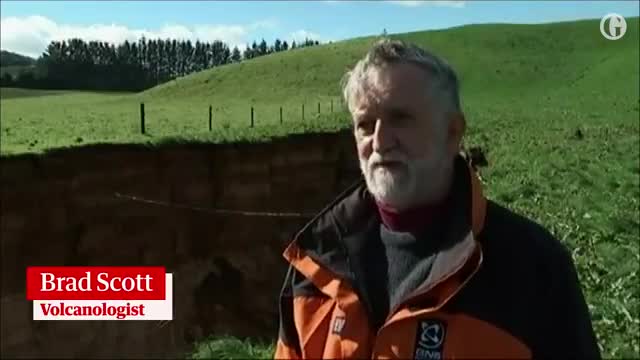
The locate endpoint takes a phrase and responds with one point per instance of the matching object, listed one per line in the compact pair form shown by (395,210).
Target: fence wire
(213,210)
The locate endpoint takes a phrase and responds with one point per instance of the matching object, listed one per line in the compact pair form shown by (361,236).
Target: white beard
(416,181)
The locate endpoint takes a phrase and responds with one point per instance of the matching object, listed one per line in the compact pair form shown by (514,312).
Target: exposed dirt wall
(63,209)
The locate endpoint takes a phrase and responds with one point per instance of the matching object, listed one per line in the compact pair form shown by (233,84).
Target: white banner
(107,309)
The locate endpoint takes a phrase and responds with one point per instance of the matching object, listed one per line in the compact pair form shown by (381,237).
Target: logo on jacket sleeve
(338,324)
(430,337)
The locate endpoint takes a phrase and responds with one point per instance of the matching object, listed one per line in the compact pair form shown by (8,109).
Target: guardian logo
(613,26)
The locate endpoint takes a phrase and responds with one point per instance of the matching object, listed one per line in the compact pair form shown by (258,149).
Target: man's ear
(456,130)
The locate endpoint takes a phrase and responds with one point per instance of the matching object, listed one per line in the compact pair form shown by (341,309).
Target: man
(413,261)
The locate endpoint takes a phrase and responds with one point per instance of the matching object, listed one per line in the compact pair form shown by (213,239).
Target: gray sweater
(398,263)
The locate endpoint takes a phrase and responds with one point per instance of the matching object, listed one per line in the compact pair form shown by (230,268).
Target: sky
(27,27)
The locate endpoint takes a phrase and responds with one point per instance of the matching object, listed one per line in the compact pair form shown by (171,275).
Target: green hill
(544,57)
(8,58)
(13,63)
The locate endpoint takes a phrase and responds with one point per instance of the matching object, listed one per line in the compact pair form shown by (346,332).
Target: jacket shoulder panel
(521,237)
(532,286)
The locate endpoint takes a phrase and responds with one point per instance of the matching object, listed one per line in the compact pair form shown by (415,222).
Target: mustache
(377,159)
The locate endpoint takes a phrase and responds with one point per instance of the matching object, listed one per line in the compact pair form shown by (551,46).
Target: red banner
(96,283)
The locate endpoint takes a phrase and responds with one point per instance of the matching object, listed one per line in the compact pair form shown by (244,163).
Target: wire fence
(332,106)
(212,210)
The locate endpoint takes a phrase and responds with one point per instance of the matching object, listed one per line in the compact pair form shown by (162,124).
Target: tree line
(132,66)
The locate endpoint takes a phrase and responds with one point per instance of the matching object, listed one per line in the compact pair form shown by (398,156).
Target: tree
(173,56)
(26,79)
(199,56)
(226,54)
(143,53)
(6,80)
(293,45)
(133,66)
(190,56)
(183,58)
(255,52)
(247,53)
(163,60)
(235,55)
(285,46)
(153,62)
(134,58)
(207,60)
(263,47)
(217,53)
(277,47)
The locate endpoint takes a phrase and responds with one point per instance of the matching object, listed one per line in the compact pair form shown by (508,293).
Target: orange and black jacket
(500,286)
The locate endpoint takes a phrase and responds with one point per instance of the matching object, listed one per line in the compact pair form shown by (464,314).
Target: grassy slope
(526,90)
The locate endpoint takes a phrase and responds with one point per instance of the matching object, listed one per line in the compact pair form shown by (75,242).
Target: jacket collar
(320,251)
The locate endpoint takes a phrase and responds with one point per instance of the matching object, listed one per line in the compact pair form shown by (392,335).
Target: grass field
(226,347)
(527,90)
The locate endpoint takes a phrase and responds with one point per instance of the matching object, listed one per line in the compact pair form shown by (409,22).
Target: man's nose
(383,137)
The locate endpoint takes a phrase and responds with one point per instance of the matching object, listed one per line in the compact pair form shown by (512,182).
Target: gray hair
(387,52)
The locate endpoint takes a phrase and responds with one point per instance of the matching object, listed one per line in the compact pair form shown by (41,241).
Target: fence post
(142,129)
(210,116)
(252,116)
(280,114)
(302,112)
(318,108)
(332,105)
